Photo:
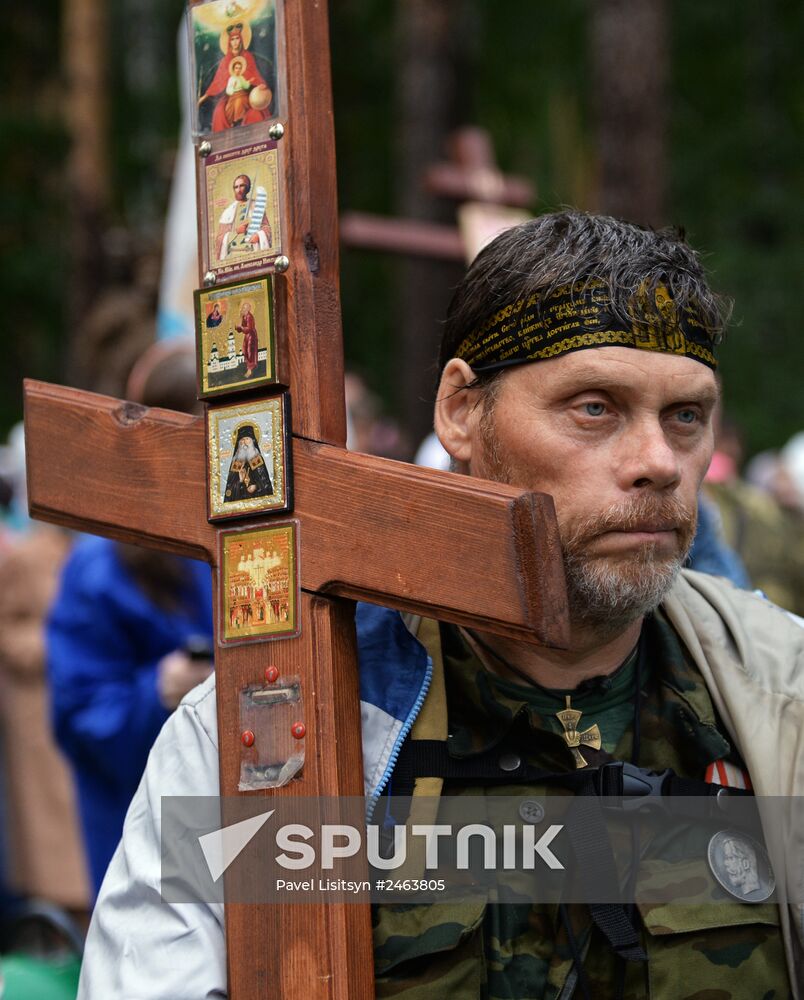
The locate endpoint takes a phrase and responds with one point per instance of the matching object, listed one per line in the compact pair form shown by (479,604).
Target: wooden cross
(469,174)
(370,528)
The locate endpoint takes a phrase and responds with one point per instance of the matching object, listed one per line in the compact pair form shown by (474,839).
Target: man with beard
(244,227)
(248,477)
(564,369)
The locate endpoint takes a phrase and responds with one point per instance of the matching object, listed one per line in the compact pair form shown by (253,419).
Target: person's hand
(255,239)
(242,228)
(177,674)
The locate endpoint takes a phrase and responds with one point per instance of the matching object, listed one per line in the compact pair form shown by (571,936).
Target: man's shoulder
(696,590)
(184,757)
(198,710)
(93,570)
(739,630)
(92,550)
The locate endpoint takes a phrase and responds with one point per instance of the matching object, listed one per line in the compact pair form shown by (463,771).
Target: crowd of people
(100,641)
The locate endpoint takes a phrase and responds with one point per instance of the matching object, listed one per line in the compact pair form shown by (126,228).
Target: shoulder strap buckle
(626,787)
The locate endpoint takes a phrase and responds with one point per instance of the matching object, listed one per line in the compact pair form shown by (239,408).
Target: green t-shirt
(481,706)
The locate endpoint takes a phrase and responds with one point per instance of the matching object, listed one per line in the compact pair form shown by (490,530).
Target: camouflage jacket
(768,538)
(490,950)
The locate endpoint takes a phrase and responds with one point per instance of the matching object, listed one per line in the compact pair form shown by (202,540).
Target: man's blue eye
(595,409)
(687,416)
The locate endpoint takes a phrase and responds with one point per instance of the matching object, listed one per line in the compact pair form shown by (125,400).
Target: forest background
(684,112)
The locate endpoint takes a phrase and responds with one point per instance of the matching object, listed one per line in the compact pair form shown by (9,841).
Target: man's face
(734,864)
(621,439)
(241,188)
(741,866)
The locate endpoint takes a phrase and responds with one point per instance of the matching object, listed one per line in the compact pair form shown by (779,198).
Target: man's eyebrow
(603,381)
(592,379)
(578,381)
(709,394)
(706,395)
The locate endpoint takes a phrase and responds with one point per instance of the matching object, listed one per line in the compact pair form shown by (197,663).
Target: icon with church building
(235,335)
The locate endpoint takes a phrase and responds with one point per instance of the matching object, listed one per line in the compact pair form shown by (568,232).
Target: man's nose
(649,458)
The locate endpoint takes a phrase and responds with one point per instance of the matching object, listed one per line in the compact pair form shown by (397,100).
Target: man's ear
(457,412)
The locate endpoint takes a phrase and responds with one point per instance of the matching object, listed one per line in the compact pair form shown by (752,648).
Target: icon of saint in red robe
(240,92)
(248,328)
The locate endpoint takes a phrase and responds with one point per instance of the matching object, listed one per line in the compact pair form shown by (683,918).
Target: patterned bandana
(576,316)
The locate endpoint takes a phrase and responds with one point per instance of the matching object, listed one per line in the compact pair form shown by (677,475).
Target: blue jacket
(710,553)
(395,674)
(104,641)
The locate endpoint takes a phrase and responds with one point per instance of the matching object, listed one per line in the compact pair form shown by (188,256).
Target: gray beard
(609,595)
(609,598)
(246,452)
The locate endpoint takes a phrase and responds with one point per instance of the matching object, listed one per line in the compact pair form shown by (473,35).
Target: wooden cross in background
(444,546)
(470,174)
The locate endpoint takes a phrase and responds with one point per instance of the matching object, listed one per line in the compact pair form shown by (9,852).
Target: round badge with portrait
(741,866)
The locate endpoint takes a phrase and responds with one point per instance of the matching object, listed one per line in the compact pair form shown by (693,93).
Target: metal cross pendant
(569,718)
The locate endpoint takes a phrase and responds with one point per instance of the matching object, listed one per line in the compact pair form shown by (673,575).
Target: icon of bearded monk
(248,476)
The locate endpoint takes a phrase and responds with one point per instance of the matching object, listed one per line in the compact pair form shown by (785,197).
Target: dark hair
(169,381)
(567,247)
(245,177)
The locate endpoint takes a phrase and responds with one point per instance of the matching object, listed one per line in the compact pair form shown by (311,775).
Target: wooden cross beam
(372,528)
(369,528)
(469,174)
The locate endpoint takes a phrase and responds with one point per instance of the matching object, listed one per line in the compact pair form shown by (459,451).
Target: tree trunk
(629,73)
(85,54)
(426,34)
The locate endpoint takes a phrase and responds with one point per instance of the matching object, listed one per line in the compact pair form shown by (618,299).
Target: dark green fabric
(482,706)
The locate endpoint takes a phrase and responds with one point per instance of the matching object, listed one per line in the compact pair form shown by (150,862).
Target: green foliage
(736,118)
(528,85)
(737,184)
(144,120)
(362,63)
(32,202)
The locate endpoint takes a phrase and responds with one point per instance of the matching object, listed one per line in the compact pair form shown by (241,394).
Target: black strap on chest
(623,786)
(623,783)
